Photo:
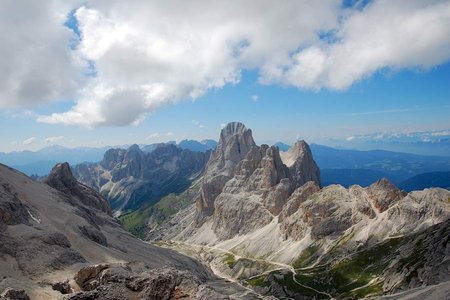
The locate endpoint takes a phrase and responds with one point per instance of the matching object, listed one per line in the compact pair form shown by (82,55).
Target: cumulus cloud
(385,34)
(350,138)
(255,98)
(145,54)
(29,141)
(154,135)
(198,123)
(53,139)
(36,60)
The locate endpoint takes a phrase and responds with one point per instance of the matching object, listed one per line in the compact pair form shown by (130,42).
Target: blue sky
(404,101)
(101,79)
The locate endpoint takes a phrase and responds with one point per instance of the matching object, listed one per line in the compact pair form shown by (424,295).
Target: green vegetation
(356,276)
(305,257)
(230,260)
(137,221)
(257,281)
(370,290)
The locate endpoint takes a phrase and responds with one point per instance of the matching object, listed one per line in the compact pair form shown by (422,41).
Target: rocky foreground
(58,240)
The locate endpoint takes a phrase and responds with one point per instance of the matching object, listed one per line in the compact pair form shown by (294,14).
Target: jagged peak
(231,129)
(134,147)
(383,183)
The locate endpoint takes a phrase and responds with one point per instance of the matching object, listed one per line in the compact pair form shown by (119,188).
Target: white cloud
(150,53)
(255,98)
(35,58)
(52,139)
(170,134)
(350,138)
(222,125)
(153,136)
(198,124)
(386,34)
(29,141)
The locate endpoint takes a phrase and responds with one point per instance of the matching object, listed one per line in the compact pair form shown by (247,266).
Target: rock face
(61,179)
(301,164)
(383,193)
(129,178)
(262,205)
(12,294)
(234,144)
(245,186)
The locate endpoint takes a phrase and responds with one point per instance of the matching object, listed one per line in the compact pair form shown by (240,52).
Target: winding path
(281,265)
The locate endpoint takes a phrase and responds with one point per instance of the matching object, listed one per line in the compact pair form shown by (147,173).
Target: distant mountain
(348,177)
(421,142)
(41,162)
(194,145)
(130,178)
(426,180)
(282,146)
(399,166)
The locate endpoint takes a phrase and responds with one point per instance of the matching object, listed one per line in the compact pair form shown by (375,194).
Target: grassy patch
(345,278)
(230,260)
(370,290)
(257,281)
(136,221)
(305,257)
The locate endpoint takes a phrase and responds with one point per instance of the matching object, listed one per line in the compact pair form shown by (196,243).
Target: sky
(97,73)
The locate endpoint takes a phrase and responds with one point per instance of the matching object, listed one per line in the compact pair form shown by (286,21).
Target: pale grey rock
(234,216)
(328,212)
(301,164)
(424,259)
(234,144)
(298,197)
(383,193)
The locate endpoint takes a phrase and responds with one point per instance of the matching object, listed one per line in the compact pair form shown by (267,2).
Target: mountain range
(261,217)
(242,221)
(128,178)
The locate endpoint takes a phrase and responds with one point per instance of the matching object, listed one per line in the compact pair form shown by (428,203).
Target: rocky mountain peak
(232,129)
(383,193)
(301,164)
(62,179)
(61,176)
(234,144)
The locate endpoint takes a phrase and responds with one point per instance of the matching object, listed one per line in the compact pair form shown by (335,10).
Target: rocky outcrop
(383,193)
(246,186)
(234,144)
(131,281)
(86,275)
(131,177)
(302,166)
(62,179)
(13,294)
(297,198)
